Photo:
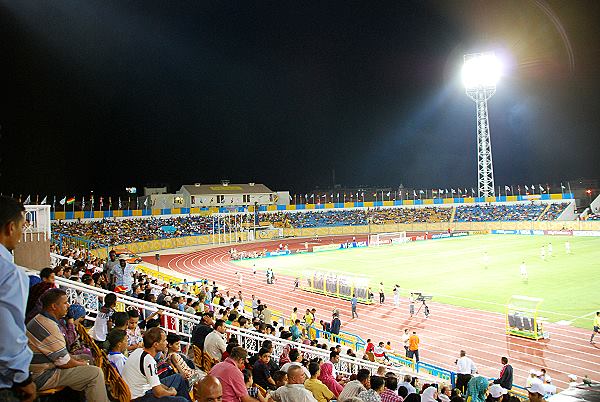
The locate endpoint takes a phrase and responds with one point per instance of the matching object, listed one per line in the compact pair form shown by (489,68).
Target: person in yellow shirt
(413,346)
(319,390)
(294,315)
(596,326)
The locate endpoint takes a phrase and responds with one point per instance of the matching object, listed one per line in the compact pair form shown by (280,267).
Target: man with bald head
(294,391)
(209,390)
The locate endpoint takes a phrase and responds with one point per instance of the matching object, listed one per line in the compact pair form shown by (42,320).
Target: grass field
(453,271)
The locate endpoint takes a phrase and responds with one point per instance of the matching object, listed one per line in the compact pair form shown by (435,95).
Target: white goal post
(380,239)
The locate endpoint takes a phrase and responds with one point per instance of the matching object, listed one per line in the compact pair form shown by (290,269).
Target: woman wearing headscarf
(477,389)
(327,378)
(430,394)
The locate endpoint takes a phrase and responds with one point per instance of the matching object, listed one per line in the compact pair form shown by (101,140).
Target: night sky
(100,95)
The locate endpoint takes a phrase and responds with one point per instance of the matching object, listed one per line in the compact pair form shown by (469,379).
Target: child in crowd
(134,333)
(103,322)
(248,380)
(117,344)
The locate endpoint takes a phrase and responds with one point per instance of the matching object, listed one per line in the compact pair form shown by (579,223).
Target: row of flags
(434,193)
(89,202)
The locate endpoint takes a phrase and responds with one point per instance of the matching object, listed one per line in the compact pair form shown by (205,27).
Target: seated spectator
(390,393)
(407,383)
(181,363)
(215,344)
(445,393)
(52,366)
(134,333)
(294,391)
(117,344)
(140,372)
(319,390)
(295,360)
(252,390)
(477,389)
(34,305)
(231,378)
(68,327)
(373,394)
(430,394)
(355,387)
(201,331)
(260,370)
(327,378)
(280,378)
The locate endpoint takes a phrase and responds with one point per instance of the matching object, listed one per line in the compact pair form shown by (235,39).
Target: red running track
(443,334)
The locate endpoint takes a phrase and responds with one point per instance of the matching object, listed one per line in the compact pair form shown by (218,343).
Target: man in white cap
(497,392)
(572,380)
(536,392)
(533,378)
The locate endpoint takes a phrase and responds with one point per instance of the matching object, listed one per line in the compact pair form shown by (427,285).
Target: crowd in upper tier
(114,232)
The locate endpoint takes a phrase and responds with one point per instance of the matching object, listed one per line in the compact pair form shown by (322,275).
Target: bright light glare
(481,71)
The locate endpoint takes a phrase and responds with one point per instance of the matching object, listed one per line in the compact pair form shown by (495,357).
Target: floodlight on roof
(481,70)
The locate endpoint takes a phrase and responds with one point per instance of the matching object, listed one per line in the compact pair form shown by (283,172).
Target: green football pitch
(454,271)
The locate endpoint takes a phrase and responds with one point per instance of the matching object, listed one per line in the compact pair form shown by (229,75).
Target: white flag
(526,188)
(506,188)
(541,188)
(561,186)
(120,203)
(62,202)
(44,200)
(421,192)
(452,190)
(82,203)
(27,200)
(146,202)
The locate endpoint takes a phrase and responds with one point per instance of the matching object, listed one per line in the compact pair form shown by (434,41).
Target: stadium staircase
(452,215)
(539,218)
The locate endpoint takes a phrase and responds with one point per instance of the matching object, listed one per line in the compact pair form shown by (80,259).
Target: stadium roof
(247,188)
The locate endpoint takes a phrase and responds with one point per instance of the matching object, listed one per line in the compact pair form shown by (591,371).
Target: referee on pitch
(465,370)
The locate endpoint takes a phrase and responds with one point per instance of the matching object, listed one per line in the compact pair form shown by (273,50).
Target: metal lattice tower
(480,92)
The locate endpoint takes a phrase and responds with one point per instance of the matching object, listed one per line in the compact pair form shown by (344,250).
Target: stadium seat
(518,322)
(511,321)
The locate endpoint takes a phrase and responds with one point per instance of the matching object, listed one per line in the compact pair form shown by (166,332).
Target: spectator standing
(296,331)
(215,344)
(355,387)
(319,390)
(506,375)
(52,366)
(111,264)
(140,372)
(103,322)
(413,346)
(335,324)
(465,368)
(405,338)
(294,391)
(396,296)
(15,381)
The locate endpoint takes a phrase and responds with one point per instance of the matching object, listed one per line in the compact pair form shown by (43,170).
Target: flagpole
(569,184)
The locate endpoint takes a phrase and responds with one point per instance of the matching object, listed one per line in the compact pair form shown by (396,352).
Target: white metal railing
(183,323)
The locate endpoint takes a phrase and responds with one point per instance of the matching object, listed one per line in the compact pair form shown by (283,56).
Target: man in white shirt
(215,344)
(140,373)
(405,338)
(465,368)
(296,360)
(294,391)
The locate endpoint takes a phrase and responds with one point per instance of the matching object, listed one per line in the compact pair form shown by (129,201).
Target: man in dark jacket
(506,375)
(335,324)
(201,331)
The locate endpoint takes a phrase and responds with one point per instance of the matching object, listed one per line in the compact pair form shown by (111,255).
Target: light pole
(480,74)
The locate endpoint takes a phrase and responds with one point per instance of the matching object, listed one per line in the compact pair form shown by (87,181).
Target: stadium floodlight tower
(480,74)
